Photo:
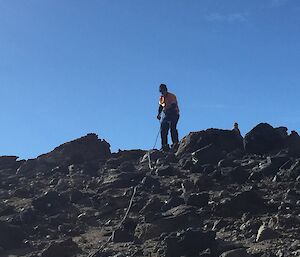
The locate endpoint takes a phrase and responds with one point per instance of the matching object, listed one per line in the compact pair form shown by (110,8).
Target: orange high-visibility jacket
(167,101)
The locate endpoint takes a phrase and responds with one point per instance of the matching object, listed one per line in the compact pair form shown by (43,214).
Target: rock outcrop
(211,198)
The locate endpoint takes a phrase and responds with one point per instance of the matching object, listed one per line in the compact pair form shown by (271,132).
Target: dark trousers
(169,121)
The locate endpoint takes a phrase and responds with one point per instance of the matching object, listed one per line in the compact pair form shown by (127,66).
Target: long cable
(148,153)
(130,202)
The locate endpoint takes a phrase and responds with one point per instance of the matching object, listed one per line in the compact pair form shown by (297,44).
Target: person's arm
(160,108)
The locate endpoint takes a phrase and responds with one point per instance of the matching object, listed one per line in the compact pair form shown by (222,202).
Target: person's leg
(174,131)
(164,127)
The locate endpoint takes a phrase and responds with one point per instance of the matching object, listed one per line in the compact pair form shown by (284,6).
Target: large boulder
(175,219)
(263,139)
(82,150)
(244,202)
(293,144)
(51,202)
(9,162)
(189,243)
(207,155)
(224,140)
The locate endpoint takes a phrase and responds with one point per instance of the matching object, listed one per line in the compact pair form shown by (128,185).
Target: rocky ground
(217,195)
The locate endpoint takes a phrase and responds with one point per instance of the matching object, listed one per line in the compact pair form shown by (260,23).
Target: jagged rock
(27,216)
(207,154)
(11,237)
(188,243)
(172,203)
(198,199)
(28,166)
(66,248)
(223,139)
(84,149)
(288,221)
(23,192)
(50,202)
(154,156)
(265,233)
(5,209)
(226,163)
(153,205)
(178,218)
(76,195)
(123,156)
(125,233)
(240,252)
(202,182)
(293,172)
(9,162)
(127,166)
(247,201)
(88,196)
(264,138)
(150,183)
(165,171)
(293,144)
(122,235)
(235,175)
(121,180)
(268,254)
(271,166)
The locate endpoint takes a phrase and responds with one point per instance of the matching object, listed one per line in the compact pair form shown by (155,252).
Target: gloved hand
(158,117)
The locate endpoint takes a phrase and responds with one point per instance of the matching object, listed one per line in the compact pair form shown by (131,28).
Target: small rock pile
(218,195)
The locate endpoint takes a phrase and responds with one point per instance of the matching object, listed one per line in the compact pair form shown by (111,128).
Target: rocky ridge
(217,195)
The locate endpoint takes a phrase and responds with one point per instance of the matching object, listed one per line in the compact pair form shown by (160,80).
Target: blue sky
(70,67)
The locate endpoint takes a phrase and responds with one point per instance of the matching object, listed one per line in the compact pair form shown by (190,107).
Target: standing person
(169,106)
(236,129)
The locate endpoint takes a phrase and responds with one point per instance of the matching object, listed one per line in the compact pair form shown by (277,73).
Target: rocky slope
(217,195)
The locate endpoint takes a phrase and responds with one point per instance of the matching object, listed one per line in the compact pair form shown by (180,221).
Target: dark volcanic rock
(85,149)
(5,209)
(66,248)
(188,243)
(116,205)
(207,154)
(125,233)
(9,162)
(124,179)
(235,175)
(198,199)
(172,202)
(222,139)
(178,218)
(166,170)
(264,138)
(240,252)
(122,235)
(50,202)
(247,201)
(11,237)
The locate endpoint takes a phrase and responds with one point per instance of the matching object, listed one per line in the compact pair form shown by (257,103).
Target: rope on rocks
(149,155)
(95,254)
(111,238)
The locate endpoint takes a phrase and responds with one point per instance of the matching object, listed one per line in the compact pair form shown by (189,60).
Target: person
(236,129)
(168,106)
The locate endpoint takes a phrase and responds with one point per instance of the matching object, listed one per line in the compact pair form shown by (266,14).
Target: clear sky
(70,67)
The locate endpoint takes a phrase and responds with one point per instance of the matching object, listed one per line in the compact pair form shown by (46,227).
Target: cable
(95,253)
